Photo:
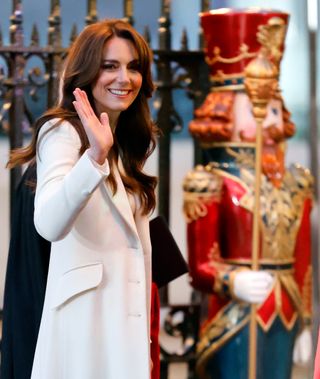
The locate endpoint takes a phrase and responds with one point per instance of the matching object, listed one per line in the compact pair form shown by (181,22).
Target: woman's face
(119,81)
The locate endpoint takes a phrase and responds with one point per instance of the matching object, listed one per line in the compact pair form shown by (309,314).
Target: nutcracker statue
(257,311)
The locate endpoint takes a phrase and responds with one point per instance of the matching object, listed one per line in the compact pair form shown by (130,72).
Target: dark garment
(167,260)
(25,286)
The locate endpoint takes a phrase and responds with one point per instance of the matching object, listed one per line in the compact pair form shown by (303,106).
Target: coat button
(134,314)
(135,281)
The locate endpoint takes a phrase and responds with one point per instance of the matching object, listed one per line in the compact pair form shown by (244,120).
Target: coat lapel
(120,202)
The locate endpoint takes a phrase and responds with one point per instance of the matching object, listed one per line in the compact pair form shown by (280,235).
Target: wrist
(96,156)
(224,283)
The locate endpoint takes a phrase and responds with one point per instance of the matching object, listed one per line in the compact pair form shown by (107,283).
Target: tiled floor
(178,371)
(302,373)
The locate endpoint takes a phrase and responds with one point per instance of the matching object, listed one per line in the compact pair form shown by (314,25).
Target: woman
(92,201)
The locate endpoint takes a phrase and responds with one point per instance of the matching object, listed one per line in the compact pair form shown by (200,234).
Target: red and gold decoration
(244,209)
(234,38)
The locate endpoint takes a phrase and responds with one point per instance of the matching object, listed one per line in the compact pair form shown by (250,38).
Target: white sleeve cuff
(103,168)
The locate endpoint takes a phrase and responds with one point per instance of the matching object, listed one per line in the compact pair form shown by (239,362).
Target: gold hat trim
(271,36)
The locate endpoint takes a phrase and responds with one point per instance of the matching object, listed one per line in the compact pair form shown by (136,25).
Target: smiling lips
(119,92)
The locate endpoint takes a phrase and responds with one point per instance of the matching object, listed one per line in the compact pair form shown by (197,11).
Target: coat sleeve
(201,208)
(203,198)
(65,181)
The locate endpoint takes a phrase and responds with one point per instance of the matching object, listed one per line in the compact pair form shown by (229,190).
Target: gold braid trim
(205,350)
(282,278)
(244,54)
(226,273)
(201,187)
(307,295)
(289,283)
(194,205)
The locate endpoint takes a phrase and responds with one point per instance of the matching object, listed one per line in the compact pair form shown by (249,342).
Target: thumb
(104,118)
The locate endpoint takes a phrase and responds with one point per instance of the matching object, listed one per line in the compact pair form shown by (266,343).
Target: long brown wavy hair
(134,136)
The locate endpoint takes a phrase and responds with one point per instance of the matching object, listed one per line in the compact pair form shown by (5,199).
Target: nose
(124,75)
(270,119)
(274,114)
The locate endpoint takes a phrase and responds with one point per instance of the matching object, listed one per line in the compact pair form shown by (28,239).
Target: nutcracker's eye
(275,111)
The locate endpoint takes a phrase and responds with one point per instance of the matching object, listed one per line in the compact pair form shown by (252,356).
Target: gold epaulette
(202,180)
(307,295)
(200,186)
(303,178)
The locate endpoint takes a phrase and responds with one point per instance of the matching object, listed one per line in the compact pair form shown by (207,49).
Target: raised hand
(98,131)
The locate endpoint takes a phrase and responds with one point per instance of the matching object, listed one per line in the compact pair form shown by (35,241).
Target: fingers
(263,279)
(256,298)
(82,104)
(302,351)
(99,133)
(86,102)
(104,118)
(253,286)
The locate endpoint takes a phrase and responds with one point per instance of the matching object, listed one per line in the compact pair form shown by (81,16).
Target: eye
(275,111)
(134,66)
(109,66)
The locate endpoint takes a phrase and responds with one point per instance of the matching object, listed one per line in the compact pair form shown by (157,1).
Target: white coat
(95,321)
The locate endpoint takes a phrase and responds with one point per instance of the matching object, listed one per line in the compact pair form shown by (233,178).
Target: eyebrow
(116,61)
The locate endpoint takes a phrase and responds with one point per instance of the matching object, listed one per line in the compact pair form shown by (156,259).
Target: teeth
(119,92)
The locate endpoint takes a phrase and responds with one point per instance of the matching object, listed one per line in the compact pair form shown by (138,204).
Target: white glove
(302,350)
(252,286)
